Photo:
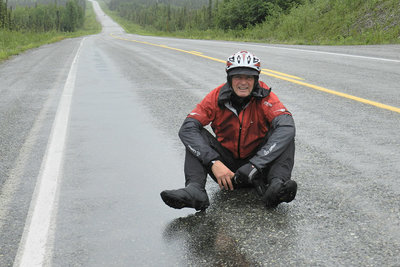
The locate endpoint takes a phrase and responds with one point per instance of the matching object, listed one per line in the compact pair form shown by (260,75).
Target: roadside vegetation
(31,25)
(316,22)
(25,24)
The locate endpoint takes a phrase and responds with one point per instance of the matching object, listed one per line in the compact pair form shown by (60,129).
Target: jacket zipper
(240,132)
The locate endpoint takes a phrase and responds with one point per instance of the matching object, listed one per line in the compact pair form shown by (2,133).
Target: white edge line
(327,53)
(304,50)
(32,249)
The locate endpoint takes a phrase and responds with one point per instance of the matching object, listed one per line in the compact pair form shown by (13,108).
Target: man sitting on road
(254,143)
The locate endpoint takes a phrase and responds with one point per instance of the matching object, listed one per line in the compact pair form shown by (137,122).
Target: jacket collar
(226,91)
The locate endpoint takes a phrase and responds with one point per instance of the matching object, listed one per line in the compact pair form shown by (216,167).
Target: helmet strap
(229,79)
(256,78)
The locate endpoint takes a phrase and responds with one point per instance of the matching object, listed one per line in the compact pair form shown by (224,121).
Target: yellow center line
(289,78)
(283,74)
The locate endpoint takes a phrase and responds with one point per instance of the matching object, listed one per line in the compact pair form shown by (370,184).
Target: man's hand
(223,174)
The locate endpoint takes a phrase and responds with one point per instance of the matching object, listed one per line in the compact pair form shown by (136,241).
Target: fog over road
(88,140)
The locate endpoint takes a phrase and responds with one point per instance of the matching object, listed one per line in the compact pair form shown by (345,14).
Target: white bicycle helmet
(243,62)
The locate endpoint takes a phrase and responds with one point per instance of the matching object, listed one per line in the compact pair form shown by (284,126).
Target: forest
(65,16)
(314,22)
(178,15)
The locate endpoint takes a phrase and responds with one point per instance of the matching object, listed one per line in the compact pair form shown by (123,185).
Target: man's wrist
(212,163)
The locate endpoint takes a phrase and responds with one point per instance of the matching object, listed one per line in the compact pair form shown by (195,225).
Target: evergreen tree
(175,15)
(47,17)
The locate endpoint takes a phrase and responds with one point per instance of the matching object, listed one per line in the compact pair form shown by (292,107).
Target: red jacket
(240,133)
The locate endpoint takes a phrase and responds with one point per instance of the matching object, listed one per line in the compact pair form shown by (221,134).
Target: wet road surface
(130,95)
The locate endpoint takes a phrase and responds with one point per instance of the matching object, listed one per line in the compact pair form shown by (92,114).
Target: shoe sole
(172,202)
(175,203)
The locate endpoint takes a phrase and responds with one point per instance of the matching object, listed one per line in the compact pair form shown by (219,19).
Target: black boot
(260,186)
(192,196)
(279,191)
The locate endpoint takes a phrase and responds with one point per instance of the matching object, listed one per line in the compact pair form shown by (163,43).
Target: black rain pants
(196,172)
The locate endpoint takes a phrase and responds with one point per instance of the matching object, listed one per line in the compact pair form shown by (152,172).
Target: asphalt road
(102,161)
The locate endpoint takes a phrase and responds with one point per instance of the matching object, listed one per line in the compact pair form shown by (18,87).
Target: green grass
(336,22)
(317,22)
(15,42)
(322,22)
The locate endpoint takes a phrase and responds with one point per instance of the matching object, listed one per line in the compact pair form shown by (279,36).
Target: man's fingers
(225,184)
(230,183)
(220,184)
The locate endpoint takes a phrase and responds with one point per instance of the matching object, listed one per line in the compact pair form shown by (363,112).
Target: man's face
(242,84)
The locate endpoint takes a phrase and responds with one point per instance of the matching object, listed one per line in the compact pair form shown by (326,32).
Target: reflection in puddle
(206,241)
(236,230)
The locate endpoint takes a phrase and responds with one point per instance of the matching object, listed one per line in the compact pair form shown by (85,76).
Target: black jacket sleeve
(283,132)
(191,137)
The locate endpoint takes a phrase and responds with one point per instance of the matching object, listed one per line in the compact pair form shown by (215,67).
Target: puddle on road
(236,230)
